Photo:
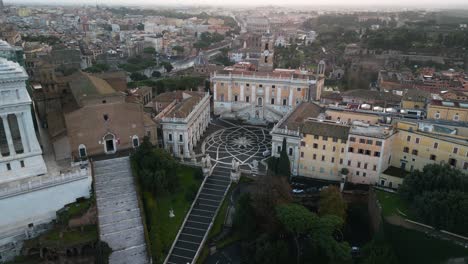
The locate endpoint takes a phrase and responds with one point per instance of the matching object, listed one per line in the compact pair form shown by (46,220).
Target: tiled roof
(84,85)
(327,129)
(302,112)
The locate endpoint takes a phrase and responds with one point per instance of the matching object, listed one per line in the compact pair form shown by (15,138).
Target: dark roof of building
(328,129)
(302,112)
(186,102)
(84,85)
(372,95)
(416,95)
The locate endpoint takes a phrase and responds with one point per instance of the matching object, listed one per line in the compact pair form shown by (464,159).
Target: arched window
(135,141)
(82,151)
(109,143)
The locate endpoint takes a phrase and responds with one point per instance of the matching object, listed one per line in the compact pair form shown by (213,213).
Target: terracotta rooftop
(302,112)
(187,100)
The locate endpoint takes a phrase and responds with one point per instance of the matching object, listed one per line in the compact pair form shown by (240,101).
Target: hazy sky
(401,3)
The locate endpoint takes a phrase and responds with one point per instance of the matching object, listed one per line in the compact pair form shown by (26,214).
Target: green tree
(332,203)
(244,218)
(140,27)
(149,50)
(167,66)
(156,74)
(297,221)
(284,165)
(136,76)
(379,252)
(178,49)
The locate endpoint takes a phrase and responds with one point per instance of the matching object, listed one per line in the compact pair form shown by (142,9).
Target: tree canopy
(332,203)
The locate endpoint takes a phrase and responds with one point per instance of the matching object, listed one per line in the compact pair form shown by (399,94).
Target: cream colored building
(448,110)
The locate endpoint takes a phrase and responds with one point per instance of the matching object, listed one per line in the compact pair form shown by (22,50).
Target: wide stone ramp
(200,218)
(120,223)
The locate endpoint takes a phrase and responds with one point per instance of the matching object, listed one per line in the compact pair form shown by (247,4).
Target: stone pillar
(253,100)
(31,132)
(267,96)
(278,96)
(296,160)
(290,96)
(229,95)
(186,148)
(242,93)
(6,127)
(215,98)
(23,132)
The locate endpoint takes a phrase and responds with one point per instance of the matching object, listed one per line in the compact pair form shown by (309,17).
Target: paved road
(120,222)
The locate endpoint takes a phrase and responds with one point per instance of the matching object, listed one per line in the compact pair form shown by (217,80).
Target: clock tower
(265,62)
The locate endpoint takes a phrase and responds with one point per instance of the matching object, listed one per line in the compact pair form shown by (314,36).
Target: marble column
(23,132)
(253,100)
(6,127)
(290,96)
(186,147)
(214,92)
(242,93)
(229,99)
(31,132)
(267,96)
(278,96)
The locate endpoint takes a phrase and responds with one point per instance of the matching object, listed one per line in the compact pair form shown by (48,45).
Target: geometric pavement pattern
(242,143)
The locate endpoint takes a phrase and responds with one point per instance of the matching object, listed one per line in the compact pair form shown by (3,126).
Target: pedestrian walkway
(200,218)
(120,223)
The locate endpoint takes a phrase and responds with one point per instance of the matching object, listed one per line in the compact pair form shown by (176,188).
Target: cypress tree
(284,165)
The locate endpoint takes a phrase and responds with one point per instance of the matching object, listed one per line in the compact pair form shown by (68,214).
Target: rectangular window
(170,137)
(362,141)
(247,99)
(290,151)
(335,139)
(315,145)
(343,141)
(436,145)
(365,166)
(357,173)
(455,150)
(278,149)
(247,84)
(433,157)
(325,138)
(8,166)
(284,101)
(360,151)
(334,148)
(314,157)
(298,89)
(316,137)
(406,150)
(368,152)
(342,150)
(349,163)
(374,168)
(323,147)
(465,165)
(417,140)
(181,139)
(370,142)
(453,162)
(303,144)
(350,149)
(22,163)
(323,158)
(364,174)
(235,98)
(414,152)
(302,154)
(378,143)
(377,154)
(333,160)
(408,138)
(341,161)
(359,164)
(352,139)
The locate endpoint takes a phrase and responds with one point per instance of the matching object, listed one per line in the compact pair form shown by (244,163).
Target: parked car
(298,191)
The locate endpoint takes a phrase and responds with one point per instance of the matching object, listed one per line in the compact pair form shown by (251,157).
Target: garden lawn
(162,228)
(391,203)
(412,246)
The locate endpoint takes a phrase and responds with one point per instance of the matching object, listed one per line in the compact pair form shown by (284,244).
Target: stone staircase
(193,233)
(120,223)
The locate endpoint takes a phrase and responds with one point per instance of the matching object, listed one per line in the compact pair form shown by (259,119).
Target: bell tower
(265,62)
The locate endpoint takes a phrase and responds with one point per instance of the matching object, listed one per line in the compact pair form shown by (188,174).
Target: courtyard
(242,143)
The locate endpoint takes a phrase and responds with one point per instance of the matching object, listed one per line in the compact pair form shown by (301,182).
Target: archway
(260,101)
(109,144)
